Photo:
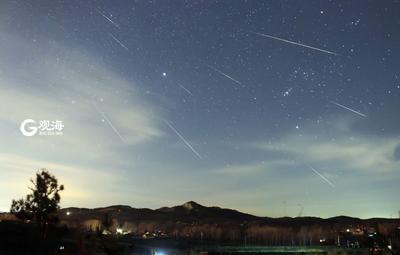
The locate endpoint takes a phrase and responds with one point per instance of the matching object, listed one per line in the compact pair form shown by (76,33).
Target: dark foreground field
(18,238)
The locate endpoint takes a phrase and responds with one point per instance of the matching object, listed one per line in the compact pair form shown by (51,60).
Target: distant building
(156,234)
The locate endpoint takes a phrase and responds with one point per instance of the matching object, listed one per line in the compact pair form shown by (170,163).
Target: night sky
(269,107)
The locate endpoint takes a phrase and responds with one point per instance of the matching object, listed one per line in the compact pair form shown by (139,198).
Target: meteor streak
(185,89)
(347,108)
(109,122)
(183,139)
(224,74)
(110,20)
(118,41)
(323,177)
(295,43)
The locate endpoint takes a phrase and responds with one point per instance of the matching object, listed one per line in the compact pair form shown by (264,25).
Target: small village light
(159,253)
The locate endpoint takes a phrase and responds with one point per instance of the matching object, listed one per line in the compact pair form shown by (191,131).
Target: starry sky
(275,108)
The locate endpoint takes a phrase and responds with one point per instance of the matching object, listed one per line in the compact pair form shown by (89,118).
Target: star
(287,92)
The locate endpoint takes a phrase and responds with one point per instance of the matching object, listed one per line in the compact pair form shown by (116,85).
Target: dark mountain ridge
(192,211)
(195,221)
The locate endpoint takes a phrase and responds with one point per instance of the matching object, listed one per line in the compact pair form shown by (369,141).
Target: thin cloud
(54,88)
(365,154)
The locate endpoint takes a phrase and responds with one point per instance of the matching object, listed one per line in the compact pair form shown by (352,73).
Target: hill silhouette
(195,213)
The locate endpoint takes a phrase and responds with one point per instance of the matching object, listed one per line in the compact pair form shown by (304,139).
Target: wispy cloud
(50,87)
(255,168)
(360,154)
(347,149)
(65,88)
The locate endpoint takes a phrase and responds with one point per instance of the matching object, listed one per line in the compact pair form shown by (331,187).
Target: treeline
(251,233)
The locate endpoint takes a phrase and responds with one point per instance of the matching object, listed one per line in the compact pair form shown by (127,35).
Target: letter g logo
(28,130)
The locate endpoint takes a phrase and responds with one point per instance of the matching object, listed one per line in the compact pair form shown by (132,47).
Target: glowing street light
(159,253)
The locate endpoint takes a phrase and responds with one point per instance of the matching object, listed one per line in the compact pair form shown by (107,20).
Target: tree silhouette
(42,204)
(20,208)
(107,221)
